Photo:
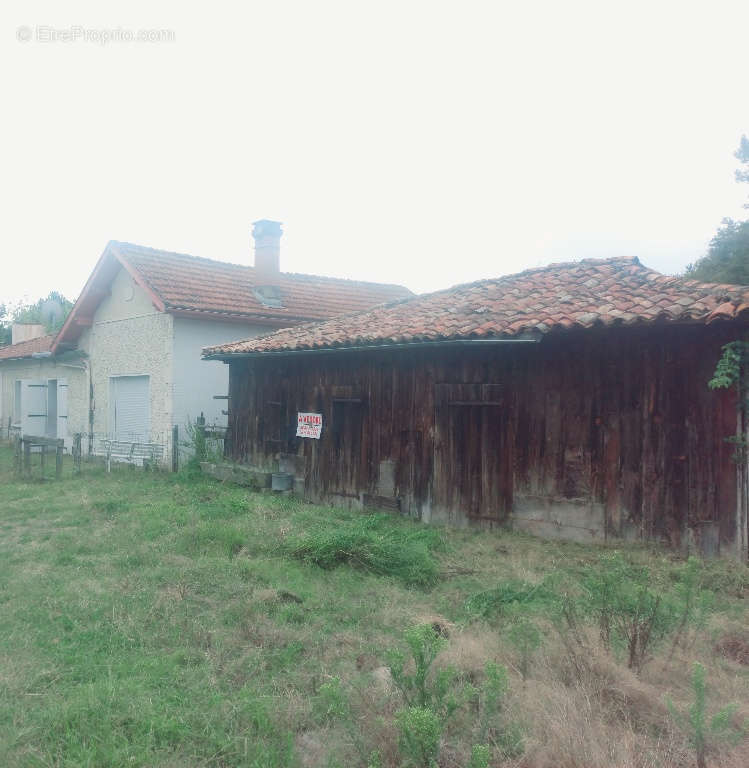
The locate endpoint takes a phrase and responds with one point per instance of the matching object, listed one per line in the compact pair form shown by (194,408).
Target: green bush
(430,698)
(693,602)
(373,544)
(418,688)
(491,697)
(420,733)
(629,612)
(726,577)
(433,697)
(701,731)
(511,595)
(526,638)
(330,703)
(480,756)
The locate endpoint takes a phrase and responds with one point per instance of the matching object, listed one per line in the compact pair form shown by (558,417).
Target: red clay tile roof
(183,284)
(193,284)
(27,348)
(618,291)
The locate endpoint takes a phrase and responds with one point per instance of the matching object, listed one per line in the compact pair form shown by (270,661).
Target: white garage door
(131,401)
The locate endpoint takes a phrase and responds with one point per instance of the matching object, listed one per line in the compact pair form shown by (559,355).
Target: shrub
(726,577)
(626,609)
(492,726)
(440,695)
(491,697)
(510,595)
(198,449)
(525,637)
(330,703)
(430,698)
(480,756)
(417,689)
(694,602)
(420,733)
(373,544)
(699,730)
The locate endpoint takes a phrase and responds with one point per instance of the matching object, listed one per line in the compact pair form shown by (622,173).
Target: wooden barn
(569,401)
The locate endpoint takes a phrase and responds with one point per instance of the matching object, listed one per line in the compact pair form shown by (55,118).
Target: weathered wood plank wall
(619,421)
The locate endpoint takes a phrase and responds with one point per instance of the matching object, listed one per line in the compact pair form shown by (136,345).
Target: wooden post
(58,460)
(26,457)
(175,448)
(77,453)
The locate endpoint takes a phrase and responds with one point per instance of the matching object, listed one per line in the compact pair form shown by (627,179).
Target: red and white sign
(309,425)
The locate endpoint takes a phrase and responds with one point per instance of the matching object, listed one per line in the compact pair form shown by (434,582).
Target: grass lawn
(149,619)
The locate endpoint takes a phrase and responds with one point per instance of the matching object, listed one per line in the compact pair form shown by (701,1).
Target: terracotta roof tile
(190,283)
(562,296)
(27,348)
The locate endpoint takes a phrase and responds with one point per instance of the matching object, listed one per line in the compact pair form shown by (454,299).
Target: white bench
(131,453)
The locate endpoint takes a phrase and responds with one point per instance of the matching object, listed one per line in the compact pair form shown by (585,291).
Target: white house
(127,363)
(35,387)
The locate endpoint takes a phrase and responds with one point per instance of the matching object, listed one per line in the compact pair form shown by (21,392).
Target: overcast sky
(424,143)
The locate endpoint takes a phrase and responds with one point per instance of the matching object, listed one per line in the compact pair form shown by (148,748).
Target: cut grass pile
(373,544)
(148,619)
(512,595)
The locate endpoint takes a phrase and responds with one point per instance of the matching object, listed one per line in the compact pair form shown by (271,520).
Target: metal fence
(170,450)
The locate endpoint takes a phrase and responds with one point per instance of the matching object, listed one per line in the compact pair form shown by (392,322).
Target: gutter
(459,343)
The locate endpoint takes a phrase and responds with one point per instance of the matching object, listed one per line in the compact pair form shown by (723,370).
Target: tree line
(49,311)
(727,258)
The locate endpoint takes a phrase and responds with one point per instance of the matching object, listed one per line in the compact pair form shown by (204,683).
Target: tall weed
(371,544)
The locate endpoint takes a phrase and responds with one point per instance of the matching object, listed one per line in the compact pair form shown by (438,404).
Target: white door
(34,407)
(131,408)
(62,409)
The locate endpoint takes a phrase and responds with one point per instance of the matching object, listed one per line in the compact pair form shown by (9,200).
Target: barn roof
(27,348)
(583,294)
(198,287)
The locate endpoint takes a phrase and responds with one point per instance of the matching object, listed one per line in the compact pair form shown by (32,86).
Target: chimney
(26,332)
(267,236)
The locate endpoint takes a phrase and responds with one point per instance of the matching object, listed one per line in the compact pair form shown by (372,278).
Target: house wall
(130,337)
(196,381)
(40,368)
(589,436)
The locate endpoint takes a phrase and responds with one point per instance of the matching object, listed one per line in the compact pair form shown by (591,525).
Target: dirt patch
(734,646)
(469,651)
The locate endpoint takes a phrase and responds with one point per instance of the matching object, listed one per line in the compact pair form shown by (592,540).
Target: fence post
(175,448)
(26,457)
(77,452)
(58,459)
